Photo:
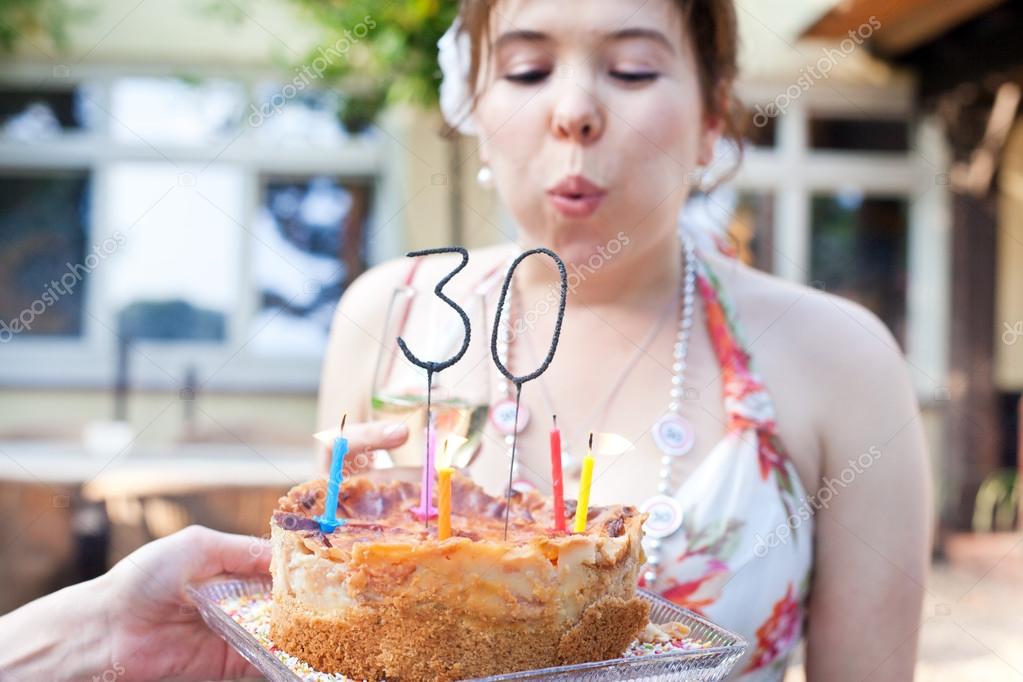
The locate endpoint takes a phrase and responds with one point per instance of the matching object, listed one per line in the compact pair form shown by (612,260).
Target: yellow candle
(444,502)
(582,510)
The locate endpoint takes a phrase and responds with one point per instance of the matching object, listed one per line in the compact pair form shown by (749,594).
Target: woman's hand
(135,622)
(363,439)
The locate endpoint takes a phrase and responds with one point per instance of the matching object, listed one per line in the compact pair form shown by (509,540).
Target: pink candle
(426,508)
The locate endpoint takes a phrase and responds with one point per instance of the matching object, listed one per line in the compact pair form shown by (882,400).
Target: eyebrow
(621,34)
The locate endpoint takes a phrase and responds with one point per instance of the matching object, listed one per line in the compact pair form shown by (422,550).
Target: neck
(639,273)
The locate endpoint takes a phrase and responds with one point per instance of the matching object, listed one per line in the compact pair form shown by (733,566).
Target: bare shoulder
(818,330)
(830,364)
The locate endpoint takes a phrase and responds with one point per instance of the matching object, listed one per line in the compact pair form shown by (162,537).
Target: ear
(713,129)
(714,126)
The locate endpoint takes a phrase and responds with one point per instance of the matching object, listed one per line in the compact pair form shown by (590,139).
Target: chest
(618,383)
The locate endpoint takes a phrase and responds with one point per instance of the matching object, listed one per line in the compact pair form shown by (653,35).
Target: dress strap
(747,401)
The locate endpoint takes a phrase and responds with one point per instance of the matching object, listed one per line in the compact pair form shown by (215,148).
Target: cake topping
(386,510)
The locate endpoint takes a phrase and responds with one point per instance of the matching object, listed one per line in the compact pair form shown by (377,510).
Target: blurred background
(186,188)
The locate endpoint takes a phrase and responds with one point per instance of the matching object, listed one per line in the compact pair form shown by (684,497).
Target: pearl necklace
(672,432)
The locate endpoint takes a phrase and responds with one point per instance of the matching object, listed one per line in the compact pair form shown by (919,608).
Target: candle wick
(591,442)
(344,418)
(555,421)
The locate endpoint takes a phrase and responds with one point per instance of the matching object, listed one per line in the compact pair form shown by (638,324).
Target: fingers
(218,553)
(378,435)
(363,439)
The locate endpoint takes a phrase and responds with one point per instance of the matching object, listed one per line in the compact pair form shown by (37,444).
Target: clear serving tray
(719,652)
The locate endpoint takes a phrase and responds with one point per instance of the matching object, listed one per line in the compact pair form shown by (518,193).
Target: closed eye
(537,76)
(528,77)
(635,76)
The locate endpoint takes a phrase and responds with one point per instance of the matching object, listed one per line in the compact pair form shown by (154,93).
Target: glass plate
(722,648)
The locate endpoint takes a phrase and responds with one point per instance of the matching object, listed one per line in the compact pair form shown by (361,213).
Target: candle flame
(450,446)
(609,444)
(328,436)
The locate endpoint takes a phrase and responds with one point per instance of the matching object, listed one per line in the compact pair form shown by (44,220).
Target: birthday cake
(381,597)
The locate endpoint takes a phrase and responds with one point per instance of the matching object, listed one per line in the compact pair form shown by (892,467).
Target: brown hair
(712,25)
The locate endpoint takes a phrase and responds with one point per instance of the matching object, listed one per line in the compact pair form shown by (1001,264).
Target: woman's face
(591,119)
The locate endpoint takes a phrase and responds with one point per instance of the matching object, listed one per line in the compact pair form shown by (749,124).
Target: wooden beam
(971,52)
(905,25)
(972,450)
(927,23)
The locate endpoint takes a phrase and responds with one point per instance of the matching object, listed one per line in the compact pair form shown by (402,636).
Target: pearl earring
(485,177)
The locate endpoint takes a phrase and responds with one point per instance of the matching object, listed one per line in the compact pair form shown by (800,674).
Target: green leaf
(396,61)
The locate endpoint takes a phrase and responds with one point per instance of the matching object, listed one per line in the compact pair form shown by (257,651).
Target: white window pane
(309,243)
(183,245)
(155,110)
(283,115)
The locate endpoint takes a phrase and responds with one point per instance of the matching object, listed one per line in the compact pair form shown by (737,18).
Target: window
(177,275)
(308,246)
(859,134)
(29,115)
(154,111)
(307,116)
(858,251)
(848,190)
(43,265)
(216,240)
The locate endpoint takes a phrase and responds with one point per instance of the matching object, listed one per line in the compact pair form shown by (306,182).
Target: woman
(804,499)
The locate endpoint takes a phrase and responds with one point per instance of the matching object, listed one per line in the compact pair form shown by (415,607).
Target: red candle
(559,483)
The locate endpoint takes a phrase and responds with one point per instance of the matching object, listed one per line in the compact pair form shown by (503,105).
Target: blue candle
(328,520)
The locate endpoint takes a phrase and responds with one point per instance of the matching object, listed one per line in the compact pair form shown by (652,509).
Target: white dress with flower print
(744,554)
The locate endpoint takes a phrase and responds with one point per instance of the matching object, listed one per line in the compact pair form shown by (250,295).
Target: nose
(578,116)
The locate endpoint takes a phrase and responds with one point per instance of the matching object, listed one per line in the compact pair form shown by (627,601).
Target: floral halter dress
(744,554)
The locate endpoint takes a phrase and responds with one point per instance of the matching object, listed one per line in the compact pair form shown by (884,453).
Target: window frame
(90,360)
(793,172)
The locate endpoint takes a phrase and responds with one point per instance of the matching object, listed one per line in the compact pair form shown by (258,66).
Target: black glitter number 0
(518,381)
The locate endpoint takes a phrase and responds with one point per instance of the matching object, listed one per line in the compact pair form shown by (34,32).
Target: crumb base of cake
(427,642)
